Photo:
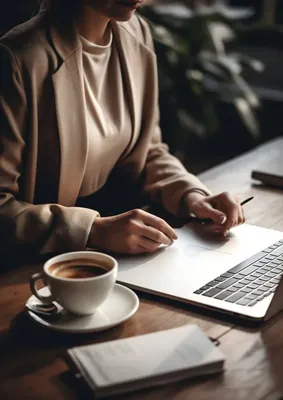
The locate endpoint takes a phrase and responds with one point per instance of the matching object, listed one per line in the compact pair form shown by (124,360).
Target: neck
(92,25)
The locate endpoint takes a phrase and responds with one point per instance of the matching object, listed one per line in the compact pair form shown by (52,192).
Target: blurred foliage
(196,71)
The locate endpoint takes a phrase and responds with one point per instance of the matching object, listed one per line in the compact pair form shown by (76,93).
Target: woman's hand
(223,209)
(133,232)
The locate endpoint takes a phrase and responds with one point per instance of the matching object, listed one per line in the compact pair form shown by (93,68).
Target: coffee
(77,269)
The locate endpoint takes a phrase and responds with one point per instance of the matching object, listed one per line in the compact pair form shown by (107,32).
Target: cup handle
(33,281)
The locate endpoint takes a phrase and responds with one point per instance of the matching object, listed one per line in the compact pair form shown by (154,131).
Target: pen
(246,201)
(208,220)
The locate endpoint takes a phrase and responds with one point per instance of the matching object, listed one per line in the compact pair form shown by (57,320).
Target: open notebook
(153,359)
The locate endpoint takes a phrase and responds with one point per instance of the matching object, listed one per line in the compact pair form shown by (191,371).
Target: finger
(159,224)
(154,235)
(147,244)
(205,210)
(232,213)
(214,228)
(241,217)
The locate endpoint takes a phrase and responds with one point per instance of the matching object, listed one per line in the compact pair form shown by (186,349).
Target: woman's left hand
(223,209)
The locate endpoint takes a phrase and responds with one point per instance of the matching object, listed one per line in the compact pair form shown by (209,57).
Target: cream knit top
(106,108)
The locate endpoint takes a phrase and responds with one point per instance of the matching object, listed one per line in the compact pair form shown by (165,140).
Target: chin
(123,17)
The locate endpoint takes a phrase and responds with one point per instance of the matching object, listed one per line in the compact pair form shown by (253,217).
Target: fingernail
(175,237)
(223,219)
(225,233)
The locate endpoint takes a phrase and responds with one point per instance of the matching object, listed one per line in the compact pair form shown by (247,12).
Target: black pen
(208,220)
(246,201)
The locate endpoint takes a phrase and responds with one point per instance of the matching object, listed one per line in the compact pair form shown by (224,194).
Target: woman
(79,113)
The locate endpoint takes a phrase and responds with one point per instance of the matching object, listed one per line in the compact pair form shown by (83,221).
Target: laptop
(239,275)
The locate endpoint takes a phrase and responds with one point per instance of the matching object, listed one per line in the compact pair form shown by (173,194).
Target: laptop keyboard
(250,281)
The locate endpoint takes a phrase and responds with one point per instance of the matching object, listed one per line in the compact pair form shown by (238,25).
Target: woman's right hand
(132,232)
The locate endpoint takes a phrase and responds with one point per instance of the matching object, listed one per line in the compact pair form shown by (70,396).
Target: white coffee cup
(80,296)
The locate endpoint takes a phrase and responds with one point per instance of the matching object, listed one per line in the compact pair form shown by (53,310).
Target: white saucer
(121,304)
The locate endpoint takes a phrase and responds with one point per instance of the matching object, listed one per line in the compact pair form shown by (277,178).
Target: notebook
(270,173)
(153,359)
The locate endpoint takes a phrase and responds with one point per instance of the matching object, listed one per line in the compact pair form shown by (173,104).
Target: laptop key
(256,274)
(265,260)
(271,256)
(252,303)
(277,262)
(235,297)
(252,286)
(278,251)
(269,285)
(273,264)
(211,292)
(251,297)
(223,295)
(264,288)
(227,283)
(271,274)
(204,288)
(243,302)
(212,283)
(245,282)
(267,268)
(227,274)
(239,285)
(233,288)
(265,278)
(250,279)
(239,276)
(261,281)
(246,290)
(258,293)
(249,270)
(219,279)
(275,280)
(262,271)
(267,250)
(198,291)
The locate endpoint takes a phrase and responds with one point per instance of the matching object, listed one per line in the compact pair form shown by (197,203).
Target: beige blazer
(44,140)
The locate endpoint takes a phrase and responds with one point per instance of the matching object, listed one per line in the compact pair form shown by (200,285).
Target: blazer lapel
(127,50)
(135,58)
(69,101)
(70,109)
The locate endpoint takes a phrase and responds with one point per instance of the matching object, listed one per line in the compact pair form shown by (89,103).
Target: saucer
(121,305)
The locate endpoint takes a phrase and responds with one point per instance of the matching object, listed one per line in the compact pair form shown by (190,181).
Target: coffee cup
(79,281)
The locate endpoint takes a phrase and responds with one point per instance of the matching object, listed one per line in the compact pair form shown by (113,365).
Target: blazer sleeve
(23,226)
(166,179)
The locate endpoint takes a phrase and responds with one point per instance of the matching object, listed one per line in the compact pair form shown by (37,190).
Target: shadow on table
(30,334)
(27,341)
(272,338)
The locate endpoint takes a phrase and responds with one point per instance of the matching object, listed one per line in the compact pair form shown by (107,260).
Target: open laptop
(240,274)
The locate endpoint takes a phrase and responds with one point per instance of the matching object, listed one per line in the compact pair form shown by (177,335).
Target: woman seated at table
(79,132)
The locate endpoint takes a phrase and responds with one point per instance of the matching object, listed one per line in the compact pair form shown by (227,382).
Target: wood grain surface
(32,364)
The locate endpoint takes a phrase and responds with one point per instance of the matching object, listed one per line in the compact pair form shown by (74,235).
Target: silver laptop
(240,274)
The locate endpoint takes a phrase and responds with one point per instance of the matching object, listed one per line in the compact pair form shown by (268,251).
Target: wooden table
(31,362)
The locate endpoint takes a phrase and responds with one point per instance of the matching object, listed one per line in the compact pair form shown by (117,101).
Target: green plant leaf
(247,116)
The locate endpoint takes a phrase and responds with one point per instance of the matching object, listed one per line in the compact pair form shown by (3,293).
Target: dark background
(231,138)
